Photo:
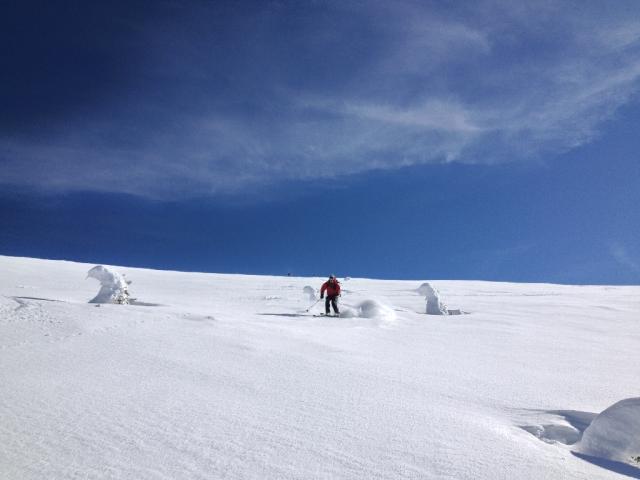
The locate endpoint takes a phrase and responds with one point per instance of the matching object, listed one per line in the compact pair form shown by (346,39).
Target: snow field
(228,377)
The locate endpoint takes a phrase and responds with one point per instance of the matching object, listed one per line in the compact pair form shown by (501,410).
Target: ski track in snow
(226,376)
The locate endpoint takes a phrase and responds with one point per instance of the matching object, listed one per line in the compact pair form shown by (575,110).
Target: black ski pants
(333,301)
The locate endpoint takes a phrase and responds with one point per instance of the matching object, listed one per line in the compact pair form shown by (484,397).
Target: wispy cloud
(621,254)
(220,102)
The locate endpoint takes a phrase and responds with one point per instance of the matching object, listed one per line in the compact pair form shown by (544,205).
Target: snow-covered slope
(221,376)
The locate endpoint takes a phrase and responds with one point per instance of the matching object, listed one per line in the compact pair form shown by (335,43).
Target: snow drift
(113,287)
(615,433)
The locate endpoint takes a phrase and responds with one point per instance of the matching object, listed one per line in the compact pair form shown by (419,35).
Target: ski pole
(313,305)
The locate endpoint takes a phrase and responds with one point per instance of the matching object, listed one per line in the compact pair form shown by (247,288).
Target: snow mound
(434,304)
(113,287)
(424,289)
(310,292)
(370,309)
(615,433)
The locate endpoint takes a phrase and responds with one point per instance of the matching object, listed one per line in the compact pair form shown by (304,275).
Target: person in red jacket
(332,287)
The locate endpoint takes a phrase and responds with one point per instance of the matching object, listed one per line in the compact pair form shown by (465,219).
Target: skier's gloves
(321,297)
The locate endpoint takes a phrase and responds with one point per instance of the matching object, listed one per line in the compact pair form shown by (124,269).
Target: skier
(332,287)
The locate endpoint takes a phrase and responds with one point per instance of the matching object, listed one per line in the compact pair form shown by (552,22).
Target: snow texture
(113,287)
(615,433)
(434,304)
(227,376)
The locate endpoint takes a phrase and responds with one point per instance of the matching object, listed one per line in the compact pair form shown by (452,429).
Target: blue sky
(495,140)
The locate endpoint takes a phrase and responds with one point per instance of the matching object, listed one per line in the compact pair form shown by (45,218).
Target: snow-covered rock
(113,286)
(615,433)
(434,304)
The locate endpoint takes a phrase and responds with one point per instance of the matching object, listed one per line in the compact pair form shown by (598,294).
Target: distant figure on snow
(332,287)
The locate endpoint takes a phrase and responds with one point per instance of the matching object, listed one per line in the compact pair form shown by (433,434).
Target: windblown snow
(226,376)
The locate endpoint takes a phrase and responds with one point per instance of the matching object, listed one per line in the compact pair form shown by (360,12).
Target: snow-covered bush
(615,433)
(113,286)
(310,293)
(434,304)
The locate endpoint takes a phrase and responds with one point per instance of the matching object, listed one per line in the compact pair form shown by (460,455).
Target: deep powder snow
(228,376)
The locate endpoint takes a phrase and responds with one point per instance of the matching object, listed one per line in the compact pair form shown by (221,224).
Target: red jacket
(332,288)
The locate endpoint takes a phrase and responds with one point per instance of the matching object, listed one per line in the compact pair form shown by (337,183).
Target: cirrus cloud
(218,100)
